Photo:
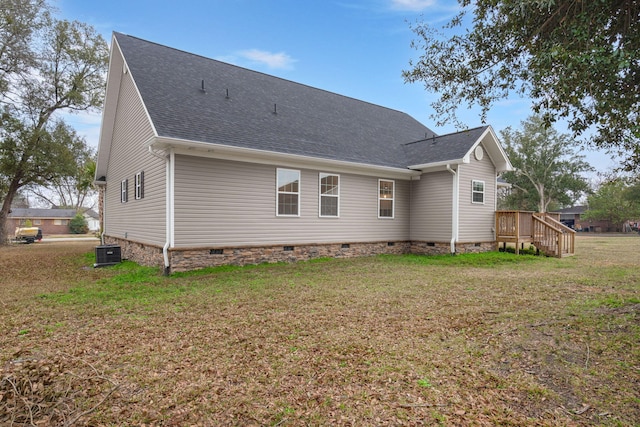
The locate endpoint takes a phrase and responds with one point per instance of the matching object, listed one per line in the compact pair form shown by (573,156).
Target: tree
(576,60)
(65,72)
(547,168)
(74,190)
(20,20)
(616,201)
(78,225)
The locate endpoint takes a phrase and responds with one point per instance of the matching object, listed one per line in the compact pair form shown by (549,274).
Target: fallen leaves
(354,342)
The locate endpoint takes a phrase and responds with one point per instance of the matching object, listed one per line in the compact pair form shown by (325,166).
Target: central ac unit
(108,255)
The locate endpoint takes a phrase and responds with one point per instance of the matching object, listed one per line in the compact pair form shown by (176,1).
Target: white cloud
(86,124)
(278,60)
(413,5)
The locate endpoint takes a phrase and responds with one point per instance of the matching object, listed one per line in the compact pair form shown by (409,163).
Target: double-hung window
(329,195)
(477,191)
(288,192)
(386,192)
(124,191)
(140,185)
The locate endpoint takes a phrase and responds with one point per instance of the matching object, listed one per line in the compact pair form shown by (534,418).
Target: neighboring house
(205,163)
(50,221)
(93,220)
(571,217)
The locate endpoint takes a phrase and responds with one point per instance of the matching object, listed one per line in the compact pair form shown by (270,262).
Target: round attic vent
(479,152)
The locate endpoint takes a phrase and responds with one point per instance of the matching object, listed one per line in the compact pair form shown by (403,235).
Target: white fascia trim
(114,77)
(250,155)
(144,106)
(494,151)
(438,165)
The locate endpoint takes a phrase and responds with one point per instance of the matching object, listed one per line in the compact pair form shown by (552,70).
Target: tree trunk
(4,212)
(542,207)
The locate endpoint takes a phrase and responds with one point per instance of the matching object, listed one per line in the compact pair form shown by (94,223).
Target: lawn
(489,339)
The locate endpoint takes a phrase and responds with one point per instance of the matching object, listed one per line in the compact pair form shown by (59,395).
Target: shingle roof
(573,210)
(269,113)
(442,148)
(41,213)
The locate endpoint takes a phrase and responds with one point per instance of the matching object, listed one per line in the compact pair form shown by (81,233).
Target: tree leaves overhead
(578,60)
(20,21)
(548,171)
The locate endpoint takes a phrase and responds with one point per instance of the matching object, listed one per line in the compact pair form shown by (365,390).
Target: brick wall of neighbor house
(596,226)
(185,259)
(47,226)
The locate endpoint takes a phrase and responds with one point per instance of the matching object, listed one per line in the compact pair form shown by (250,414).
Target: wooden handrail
(540,229)
(542,220)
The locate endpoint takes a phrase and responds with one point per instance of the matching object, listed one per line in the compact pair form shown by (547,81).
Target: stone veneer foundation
(184,259)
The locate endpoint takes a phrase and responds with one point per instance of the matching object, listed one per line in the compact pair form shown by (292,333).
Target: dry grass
(469,340)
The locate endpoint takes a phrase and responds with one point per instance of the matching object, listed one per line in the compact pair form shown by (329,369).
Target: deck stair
(542,230)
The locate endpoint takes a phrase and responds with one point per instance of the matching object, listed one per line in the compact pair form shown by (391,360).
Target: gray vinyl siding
(226,203)
(431,207)
(140,220)
(477,221)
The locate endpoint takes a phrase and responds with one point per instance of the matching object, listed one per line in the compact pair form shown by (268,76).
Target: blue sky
(352,47)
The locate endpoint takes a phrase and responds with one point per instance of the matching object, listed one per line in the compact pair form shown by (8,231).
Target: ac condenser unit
(107,255)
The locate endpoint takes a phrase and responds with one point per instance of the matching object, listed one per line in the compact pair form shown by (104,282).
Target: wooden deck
(542,230)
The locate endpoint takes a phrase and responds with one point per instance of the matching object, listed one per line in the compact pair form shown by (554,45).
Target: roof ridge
(261,73)
(444,135)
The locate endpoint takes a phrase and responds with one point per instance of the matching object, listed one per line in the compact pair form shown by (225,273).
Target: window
(140,185)
(37,222)
(60,222)
(477,191)
(124,190)
(329,195)
(288,188)
(386,191)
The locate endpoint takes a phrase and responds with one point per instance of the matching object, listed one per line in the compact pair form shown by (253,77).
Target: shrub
(78,225)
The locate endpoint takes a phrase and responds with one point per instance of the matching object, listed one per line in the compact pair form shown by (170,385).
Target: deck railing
(542,230)
(565,235)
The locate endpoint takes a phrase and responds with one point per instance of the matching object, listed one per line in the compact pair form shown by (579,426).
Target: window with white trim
(139,185)
(124,191)
(386,191)
(288,189)
(477,191)
(329,195)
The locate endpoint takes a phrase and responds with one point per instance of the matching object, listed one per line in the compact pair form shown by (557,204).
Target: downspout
(171,164)
(165,249)
(104,213)
(454,209)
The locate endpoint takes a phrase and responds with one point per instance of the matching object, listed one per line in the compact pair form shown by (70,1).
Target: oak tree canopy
(578,60)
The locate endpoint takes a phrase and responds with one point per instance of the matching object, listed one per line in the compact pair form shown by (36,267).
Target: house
(93,220)
(204,163)
(50,221)
(571,217)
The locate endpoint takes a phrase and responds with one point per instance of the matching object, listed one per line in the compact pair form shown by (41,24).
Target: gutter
(165,249)
(454,210)
(228,152)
